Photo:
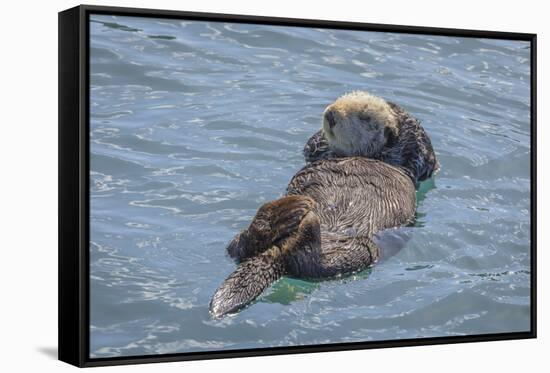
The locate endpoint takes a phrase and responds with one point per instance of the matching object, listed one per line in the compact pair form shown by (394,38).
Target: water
(194,125)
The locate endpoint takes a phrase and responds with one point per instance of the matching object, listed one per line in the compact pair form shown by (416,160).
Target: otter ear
(390,134)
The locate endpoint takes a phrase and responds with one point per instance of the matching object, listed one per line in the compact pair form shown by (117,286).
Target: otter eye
(365,118)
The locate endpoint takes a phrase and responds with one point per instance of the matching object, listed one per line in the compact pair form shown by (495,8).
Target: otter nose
(330,119)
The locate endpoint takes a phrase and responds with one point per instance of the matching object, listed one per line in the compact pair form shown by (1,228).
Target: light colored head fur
(359,123)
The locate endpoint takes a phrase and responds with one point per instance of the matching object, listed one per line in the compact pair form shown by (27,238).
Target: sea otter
(360,176)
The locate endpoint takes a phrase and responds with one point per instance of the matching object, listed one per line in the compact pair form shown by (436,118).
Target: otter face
(360,124)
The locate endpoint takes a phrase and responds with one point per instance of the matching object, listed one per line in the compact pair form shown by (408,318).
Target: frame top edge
(303,22)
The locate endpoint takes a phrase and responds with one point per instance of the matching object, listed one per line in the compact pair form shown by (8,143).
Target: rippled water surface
(194,125)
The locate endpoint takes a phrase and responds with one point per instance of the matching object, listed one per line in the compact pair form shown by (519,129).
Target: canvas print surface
(194,126)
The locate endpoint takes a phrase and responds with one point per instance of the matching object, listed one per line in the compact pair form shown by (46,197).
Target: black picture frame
(74,184)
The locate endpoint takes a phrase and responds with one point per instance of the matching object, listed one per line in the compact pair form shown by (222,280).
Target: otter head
(359,124)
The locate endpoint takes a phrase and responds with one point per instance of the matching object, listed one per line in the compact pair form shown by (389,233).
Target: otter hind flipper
(247,282)
(284,226)
(274,222)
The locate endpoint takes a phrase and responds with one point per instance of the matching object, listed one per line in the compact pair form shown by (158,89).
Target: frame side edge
(534,185)
(69,308)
